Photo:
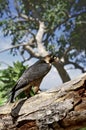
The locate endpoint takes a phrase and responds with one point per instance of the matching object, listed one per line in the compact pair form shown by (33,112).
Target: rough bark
(61,108)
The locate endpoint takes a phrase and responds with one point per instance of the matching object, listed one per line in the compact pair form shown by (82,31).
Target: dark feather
(33,73)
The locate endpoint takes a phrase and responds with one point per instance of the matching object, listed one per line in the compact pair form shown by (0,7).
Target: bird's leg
(27,92)
(31,91)
(35,89)
(36,86)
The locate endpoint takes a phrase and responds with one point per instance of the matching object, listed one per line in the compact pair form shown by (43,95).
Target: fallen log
(61,108)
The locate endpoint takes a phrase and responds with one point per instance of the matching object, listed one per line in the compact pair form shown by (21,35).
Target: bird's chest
(36,82)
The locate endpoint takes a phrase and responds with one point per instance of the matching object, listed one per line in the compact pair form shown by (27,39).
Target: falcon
(32,77)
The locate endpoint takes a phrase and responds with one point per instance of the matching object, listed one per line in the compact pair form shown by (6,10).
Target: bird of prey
(32,77)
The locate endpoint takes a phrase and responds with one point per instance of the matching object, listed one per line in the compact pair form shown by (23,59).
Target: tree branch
(26,17)
(26,59)
(26,46)
(32,52)
(60,68)
(39,38)
(69,17)
(29,46)
(77,66)
(3,50)
(23,15)
(63,22)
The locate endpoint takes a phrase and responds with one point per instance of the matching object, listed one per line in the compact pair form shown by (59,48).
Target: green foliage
(83,129)
(3,6)
(8,78)
(60,17)
(52,13)
(32,92)
(78,37)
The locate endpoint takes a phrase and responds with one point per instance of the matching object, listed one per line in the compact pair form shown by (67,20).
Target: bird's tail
(12,94)
(12,97)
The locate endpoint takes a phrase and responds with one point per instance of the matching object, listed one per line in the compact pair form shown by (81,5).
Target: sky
(52,79)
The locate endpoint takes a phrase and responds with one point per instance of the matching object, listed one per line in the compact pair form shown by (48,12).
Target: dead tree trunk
(62,108)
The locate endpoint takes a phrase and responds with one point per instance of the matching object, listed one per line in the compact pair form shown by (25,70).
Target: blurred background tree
(42,27)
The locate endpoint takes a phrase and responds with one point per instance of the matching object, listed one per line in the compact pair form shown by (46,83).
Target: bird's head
(50,58)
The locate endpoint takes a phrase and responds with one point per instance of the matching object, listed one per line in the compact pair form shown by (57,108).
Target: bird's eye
(55,57)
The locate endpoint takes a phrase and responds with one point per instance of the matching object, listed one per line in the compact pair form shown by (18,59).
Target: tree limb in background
(27,47)
(62,72)
(76,65)
(21,15)
(39,38)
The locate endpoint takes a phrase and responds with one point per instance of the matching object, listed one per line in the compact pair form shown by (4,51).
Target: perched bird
(32,77)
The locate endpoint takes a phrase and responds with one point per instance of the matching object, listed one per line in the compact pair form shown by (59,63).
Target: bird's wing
(33,73)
